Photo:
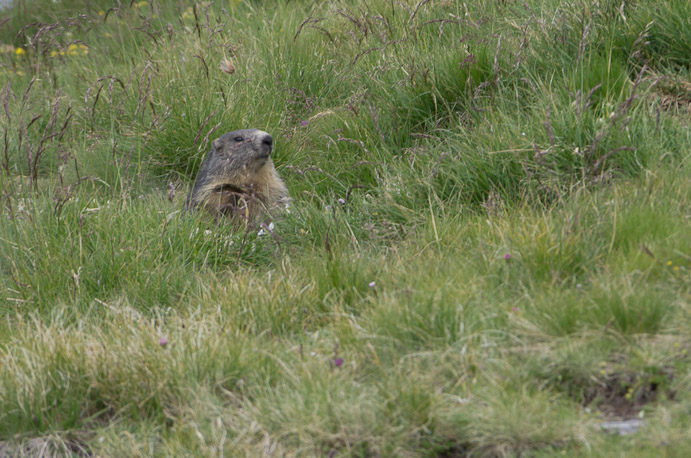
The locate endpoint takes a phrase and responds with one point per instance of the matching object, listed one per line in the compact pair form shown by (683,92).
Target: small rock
(623,427)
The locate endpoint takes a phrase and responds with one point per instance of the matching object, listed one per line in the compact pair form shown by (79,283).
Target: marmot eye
(239,139)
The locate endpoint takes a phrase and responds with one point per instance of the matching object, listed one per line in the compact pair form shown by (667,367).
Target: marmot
(238,178)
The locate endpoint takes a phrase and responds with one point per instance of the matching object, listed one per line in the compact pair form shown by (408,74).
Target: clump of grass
(516,423)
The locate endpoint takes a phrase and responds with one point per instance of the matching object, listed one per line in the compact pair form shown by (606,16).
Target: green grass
(486,253)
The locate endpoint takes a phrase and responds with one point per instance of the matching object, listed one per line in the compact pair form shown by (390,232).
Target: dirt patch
(675,94)
(622,395)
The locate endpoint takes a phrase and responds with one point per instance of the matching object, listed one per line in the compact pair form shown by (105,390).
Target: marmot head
(247,149)
(238,176)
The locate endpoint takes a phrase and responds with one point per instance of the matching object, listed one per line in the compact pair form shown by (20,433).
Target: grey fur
(238,177)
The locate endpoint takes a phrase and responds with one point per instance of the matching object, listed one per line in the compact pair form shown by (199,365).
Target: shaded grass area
(486,253)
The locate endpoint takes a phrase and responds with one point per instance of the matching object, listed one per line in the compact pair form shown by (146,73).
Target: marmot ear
(217,144)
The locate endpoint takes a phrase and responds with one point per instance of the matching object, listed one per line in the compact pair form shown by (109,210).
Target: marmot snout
(238,177)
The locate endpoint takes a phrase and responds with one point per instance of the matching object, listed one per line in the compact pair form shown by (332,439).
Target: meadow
(486,254)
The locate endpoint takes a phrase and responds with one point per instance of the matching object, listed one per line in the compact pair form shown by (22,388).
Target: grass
(486,253)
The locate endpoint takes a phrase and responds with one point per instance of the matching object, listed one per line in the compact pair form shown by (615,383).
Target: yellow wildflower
(53,53)
(19,51)
(72,49)
(675,268)
(140,4)
(669,263)
(188,13)
(101,13)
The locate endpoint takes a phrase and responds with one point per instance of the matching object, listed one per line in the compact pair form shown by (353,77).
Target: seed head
(227,66)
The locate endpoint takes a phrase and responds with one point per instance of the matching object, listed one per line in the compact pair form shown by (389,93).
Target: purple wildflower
(372,284)
(341,201)
(507,256)
(338,362)
(163,341)
(304,123)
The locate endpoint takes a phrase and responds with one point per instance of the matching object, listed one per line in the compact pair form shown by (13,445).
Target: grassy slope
(424,144)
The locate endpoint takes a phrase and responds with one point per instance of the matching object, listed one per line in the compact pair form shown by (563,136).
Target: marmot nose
(268,141)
